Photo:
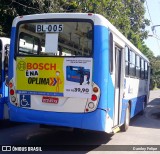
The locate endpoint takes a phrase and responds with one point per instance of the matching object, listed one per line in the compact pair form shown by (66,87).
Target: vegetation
(126,15)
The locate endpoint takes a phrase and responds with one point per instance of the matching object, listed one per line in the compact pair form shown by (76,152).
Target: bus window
(142,68)
(55,38)
(137,66)
(132,70)
(1,47)
(6,59)
(146,70)
(127,61)
(111,52)
(28,44)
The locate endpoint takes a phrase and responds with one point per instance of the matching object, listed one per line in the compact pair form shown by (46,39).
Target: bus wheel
(125,126)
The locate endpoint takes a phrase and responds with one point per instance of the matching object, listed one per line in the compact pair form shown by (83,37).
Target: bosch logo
(21,65)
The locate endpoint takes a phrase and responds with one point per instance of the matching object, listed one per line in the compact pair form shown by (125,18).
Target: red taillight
(11,92)
(94,98)
(95,89)
(90,14)
(10,85)
(87,110)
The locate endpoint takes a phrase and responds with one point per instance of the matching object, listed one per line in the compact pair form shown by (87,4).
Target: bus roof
(96,18)
(5,40)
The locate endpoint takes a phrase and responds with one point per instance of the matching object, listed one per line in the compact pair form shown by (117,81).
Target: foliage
(9,9)
(155,77)
(126,15)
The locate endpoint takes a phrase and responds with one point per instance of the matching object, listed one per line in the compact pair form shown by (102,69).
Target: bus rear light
(91,105)
(10,85)
(11,92)
(95,89)
(87,110)
(13,99)
(94,98)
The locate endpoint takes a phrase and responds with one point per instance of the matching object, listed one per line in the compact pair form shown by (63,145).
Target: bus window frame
(127,61)
(51,20)
(111,46)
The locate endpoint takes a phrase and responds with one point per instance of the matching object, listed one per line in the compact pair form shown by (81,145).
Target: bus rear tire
(125,126)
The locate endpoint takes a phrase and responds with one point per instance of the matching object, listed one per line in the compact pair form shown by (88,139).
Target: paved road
(144,130)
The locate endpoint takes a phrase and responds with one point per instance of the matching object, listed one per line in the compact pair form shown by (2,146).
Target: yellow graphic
(58,81)
(40,74)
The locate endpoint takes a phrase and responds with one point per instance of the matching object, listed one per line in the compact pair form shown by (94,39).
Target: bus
(75,70)
(4,51)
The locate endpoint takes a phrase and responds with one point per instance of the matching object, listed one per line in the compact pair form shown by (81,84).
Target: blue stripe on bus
(11,54)
(25,92)
(136,106)
(101,75)
(92,121)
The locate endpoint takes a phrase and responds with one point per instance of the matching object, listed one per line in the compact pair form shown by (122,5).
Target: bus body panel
(101,76)
(100,72)
(11,59)
(102,118)
(5,42)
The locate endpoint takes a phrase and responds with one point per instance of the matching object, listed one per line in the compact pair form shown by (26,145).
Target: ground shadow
(4,124)
(53,140)
(151,116)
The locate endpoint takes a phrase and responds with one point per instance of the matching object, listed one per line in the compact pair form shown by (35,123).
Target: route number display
(49,28)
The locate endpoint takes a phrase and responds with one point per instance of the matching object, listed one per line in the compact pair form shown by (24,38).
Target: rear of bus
(55,67)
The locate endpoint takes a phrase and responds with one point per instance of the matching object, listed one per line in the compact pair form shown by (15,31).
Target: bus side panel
(101,75)
(12,47)
(136,106)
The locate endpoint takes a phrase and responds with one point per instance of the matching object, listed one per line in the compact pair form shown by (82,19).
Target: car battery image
(77,74)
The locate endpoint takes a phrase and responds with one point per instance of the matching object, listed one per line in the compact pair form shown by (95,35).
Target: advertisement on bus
(67,77)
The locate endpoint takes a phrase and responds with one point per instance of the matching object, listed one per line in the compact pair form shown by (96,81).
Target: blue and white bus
(75,70)
(4,51)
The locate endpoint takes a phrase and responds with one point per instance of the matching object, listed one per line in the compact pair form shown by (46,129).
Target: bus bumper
(90,121)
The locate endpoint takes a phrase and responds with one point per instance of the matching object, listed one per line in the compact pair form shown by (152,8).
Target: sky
(153,14)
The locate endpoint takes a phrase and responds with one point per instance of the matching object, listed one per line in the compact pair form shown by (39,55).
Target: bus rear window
(55,38)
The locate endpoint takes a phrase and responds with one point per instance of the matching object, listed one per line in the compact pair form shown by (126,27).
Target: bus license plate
(53,100)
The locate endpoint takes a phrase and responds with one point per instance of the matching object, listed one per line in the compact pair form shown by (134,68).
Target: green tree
(126,15)
(9,9)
